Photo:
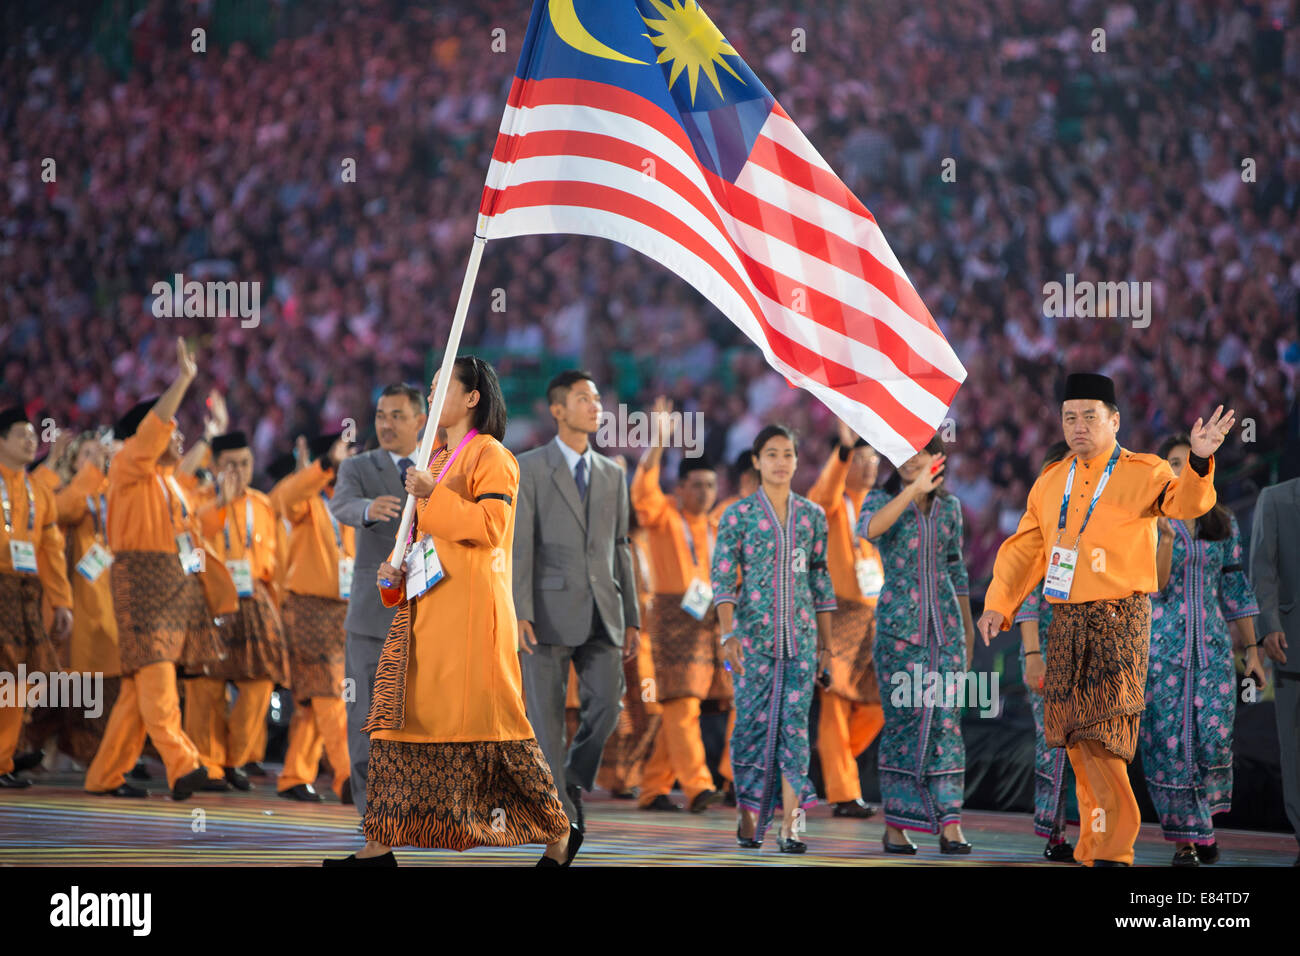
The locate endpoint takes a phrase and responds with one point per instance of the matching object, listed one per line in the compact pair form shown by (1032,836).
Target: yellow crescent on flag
(570,29)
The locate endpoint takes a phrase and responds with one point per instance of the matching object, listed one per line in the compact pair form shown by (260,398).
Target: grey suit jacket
(567,555)
(361,479)
(1275,564)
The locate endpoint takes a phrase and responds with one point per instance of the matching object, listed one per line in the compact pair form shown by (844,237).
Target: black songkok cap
(11,417)
(228,442)
(320,446)
(1089,385)
(128,423)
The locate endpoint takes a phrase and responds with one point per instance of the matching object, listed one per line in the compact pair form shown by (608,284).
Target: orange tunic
(843,546)
(313,559)
(147,508)
(1117,554)
(51,561)
(226,531)
(672,566)
(81,505)
(461,681)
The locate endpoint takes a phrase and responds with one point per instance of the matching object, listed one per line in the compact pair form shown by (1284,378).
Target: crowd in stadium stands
(1173,157)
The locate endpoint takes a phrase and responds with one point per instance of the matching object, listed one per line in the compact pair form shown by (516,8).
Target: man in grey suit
(575,591)
(368,495)
(1275,574)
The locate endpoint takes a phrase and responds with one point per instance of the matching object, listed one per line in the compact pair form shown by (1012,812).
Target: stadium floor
(55,823)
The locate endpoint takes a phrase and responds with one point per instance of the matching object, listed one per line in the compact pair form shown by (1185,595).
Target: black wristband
(1039,653)
(1198,464)
(844,452)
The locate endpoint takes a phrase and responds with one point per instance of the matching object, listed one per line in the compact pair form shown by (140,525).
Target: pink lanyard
(445,468)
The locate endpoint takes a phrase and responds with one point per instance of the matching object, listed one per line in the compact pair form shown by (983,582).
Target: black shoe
(255,769)
(749,843)
(304,792)
(630,794)
(729,799)
(186,785)
(216,785)
(26,761)
(139,771)
(1108,863)
(383,860)
(126,790)
(953,847)
(575,841)
(575,797)
(907,847)
(1208,854)
(1061,852)
(238,779)
(857,809)
(791,845)
(10,782)
(1186,857)
(705,799)
(661,802)
(345,793)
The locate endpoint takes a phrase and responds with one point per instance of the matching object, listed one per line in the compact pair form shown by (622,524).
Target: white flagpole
(440,394)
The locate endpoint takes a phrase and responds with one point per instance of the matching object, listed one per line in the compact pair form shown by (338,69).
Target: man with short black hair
(574,587)
(368,495)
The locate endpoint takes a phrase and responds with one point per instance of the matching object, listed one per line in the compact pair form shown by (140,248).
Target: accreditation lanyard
(1059,576)
(98,517)
(423,567)
(171,515)
(8,508)
(334,523)
(346,564)
(699,592)
(248,526)
(191,556)
(710,534)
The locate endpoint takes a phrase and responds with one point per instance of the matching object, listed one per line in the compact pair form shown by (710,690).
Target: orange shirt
(675,559)
(44,533)
(844,547)
(81,505)
(228,532)
(314,539)
(147,507)
(1117,553)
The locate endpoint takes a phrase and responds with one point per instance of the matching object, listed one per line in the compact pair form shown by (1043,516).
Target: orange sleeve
(292,493)
(43,474)
(648,498)
(138,458)
(484,520)
(1184,497)
(52,559)
(71,501)
(828,491)
(1019,564)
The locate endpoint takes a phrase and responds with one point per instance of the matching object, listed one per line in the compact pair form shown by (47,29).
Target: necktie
(402,465)
(580,476)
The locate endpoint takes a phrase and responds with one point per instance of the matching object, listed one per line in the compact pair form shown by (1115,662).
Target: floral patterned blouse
(775,574)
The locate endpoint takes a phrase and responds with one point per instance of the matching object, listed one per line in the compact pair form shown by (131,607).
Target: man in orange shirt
(31,568)
(318,585)
(683,625)
(162,615)
(851,715)
(244,532)
(1089,533)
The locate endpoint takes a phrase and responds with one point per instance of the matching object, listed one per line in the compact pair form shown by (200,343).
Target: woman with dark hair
(923,627)
(774,596)
(454,762)
(1055,802)
(1185,736)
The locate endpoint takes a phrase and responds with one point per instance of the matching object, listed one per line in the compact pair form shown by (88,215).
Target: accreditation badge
(423,569)
(23,555)
(191,557)
(871,577)
(697,599)
(94,562)
(241,572)
(345,578)
(1060,573)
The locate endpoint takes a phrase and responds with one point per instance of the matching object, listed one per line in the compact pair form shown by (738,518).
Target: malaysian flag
(636,120)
